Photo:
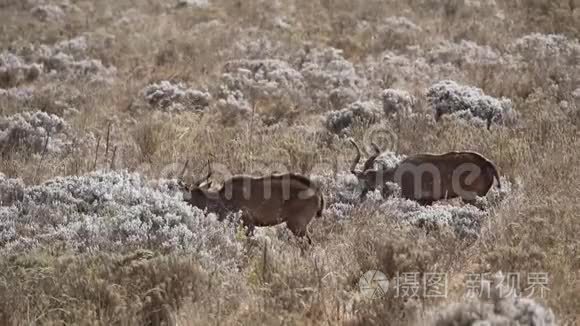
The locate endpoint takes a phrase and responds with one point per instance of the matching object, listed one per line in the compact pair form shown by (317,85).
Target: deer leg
(250,227)
(468,201)
(472,202)
(386,192)
(299,230)
(363,194)
(308,239)
(250,230)
(428,227)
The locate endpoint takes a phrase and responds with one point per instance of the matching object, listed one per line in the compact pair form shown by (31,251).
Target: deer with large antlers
(426,177)
(264,201)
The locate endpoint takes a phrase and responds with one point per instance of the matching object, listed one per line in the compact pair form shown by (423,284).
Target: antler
(209,170)
(209,173)
(376,148)
(183,171)
(180,178)
(371,160)
(356,159)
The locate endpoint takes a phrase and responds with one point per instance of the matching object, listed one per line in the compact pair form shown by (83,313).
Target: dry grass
(535,230)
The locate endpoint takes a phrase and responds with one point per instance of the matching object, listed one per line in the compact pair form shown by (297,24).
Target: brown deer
(264,201)
(427,177)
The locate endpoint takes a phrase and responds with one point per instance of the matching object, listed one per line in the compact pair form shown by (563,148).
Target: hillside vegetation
(103,102)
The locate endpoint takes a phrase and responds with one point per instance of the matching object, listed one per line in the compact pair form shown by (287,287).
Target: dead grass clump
(407,257)
(151,135)
(140,287)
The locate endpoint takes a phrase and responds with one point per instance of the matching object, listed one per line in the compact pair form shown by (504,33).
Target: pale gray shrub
(465,221)
(576,97)
(397,101)
(400,24)
(523,311)
(342,188)
(166,186)
(495,196)
(396,32)
(130,17)
(391,189)
(424,66)
(193,3)
(388,160)
(282,22)
(398,71)
(337,121)
(341,194)
(70,67)
(10,190)
(77,46)
(326,70)
(469,103)
(56,98)
(464,118)
(15,70)
(114,211)
(67,59)
(553,48)
(264,79)
(233,105)
(17,93)
(7,225)
(48,13)
(29,130)
(341,97)
(340,121)
(255,45)
(464,52)
(175,97)
(489,8)
(339,211)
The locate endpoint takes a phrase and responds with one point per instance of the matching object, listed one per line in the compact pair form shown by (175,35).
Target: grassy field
(102,103)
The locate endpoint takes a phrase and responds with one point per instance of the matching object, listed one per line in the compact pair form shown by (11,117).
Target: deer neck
(217,205)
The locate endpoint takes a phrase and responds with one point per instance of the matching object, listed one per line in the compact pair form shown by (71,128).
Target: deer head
(196,191)
(368,165)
